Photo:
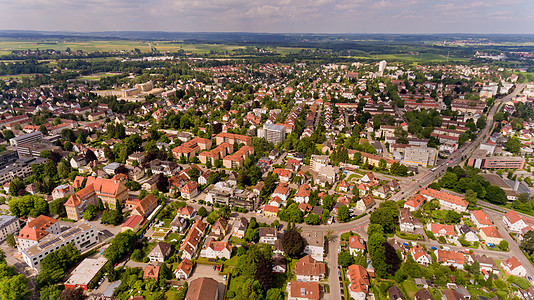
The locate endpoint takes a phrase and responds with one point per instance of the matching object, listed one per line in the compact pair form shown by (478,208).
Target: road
(459,154)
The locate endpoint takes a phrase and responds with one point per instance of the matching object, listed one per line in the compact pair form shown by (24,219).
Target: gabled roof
(355,242)
(36,228)
(162,248)
(143,205)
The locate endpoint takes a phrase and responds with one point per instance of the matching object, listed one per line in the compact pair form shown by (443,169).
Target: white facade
(8,225)
(515,227)
(83,235)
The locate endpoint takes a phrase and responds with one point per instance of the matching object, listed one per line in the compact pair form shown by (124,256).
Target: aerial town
(190,177)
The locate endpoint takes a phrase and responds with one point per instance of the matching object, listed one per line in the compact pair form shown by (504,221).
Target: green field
(97,77)
(20,76)
(408,58)
(8,45)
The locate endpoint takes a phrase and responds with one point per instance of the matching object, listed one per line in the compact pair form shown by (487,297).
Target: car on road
(530,279)
(433,248)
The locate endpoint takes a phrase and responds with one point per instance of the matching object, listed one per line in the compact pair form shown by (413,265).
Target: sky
(272,16)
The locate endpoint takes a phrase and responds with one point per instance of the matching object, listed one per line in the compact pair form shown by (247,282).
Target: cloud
(389,16)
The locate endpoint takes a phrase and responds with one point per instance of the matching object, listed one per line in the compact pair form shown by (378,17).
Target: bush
(442,240)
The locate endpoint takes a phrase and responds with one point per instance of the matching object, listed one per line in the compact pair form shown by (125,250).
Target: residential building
(314,244)
(183,270)
(268,235)
(191,148)
(365,203)
(487,264)
(423,294)
(480,219)
(298,290)
(186,212)
(450,258)
(239,228)
(85,273)
(29,138)
(146,206)
(217,249)
(151,272)
(395,293)
(190,243)
(61,191)
(512,266)
(407,222)
(83,235)
(303,194)
(203,288)
(491,235)
(284,175)
(514,221)
(420,255)
(8,225)
(231,138)
(220,227)
(359,282)
(190,190)
(35,230)
(237,159)
(441,229)
(279,263)
(319,162)
(160,251)
(446,200)
(77,202)
(273,133)
(308,269)
(415,202)
(356,245)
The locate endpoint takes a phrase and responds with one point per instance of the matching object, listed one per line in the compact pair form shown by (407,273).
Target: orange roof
(491,231)
(304,191)
(355,242)
(36,229)
(359,279)
(151,272)
(415,200)
(282,172)
(481,217)
(444,196)
(189,187)
(307,290)
(512,263)
(186,266)
(418,251)
(104,186)
(143,205)
(270,208)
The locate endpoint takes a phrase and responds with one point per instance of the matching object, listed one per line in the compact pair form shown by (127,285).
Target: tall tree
(293,243)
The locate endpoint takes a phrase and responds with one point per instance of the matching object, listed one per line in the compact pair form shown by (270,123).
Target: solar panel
(70,232)
(49,243)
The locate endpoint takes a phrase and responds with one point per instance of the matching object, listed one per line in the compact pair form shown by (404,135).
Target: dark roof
(423,294)
(395,293)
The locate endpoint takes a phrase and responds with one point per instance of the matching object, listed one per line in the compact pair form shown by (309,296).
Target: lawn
(174,236)
(410,288)
(354,176)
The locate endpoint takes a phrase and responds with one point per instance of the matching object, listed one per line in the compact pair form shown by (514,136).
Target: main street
(458,156)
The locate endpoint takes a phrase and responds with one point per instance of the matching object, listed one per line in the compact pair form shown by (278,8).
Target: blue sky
(279,16)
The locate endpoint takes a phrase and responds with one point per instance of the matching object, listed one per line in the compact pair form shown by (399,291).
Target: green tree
(51,292)
(90,212)
(120,245)
(377,252)
(343,214)
(503,245)
(292,243)
(449,180)
(345,259)
(202,211)
(10,239)
(513,145)
(312,219)
(496,195)
(16,186)
(14,288)
(386,215)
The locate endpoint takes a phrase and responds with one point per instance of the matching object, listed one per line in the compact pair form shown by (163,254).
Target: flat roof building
(85,273)
(497,162)
(83,235)
(274,133)
(8,225)
(420,156)
(34,137)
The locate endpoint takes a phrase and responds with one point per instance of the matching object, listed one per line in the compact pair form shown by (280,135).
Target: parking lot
(206,271)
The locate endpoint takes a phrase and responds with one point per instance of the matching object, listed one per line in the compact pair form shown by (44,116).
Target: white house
(356,245)
(159,252)
(513,267)
(420,255)
(184,269)
(480,219)
(217,249)
(268,235)
(308,269)
(314,244)
(513,221)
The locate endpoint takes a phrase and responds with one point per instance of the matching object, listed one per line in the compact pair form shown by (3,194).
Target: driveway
(202,270)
